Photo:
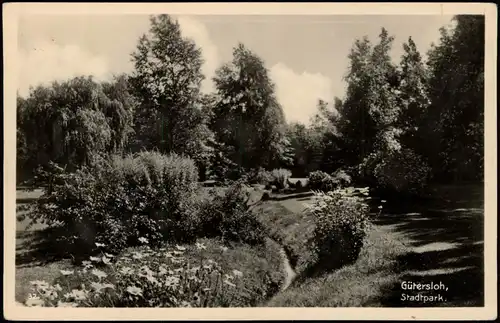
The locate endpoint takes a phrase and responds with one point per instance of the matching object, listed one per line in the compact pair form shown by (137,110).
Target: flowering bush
(321,181)
(280,177)
(342,177)
(341,224)
(173,277)
(121,199)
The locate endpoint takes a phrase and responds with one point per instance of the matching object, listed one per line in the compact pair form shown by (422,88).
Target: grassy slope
(360,284)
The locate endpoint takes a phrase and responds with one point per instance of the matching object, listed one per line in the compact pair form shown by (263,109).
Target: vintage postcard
(276,161)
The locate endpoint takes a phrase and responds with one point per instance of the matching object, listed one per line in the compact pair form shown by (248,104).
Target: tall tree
(457,93)
(413,99)
(167,80)
(355,125)
(248,117)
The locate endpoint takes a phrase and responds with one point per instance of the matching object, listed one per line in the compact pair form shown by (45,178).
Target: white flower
(67,272)
(99,273)
(137,255)
(237,273)
(201,246)
(106,260)
(96,259)
(143,240)
(99,245)
(87,264)
(126,271)
(98,286)
(180,248)
(78,295)
(134,290)
(383,201)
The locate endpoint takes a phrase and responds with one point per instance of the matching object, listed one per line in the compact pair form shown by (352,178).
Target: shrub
(227,215)
(180,276)
(280,177)
(341,224)
(401,172)
(342,177)
(298,184)
(260,176)
(321,181)
(121,199)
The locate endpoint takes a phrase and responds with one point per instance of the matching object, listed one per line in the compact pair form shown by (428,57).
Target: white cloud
(46,62)
(198,32)
(299,93)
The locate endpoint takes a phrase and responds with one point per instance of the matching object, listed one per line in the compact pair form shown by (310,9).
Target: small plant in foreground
(143,278)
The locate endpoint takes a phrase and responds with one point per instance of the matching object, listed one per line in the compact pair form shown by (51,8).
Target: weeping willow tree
(73,123)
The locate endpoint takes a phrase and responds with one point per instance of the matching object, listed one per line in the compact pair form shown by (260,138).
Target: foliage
(121,199)
(321,181)
(280,177)
(341,224)
(402,172)
(168,277)
(228,215)
(167,79)
(455,122)
(73,123)
(342,177)
(260,176)
(247,117)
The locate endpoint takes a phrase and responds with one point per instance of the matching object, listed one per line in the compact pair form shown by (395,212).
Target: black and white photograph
(181,159)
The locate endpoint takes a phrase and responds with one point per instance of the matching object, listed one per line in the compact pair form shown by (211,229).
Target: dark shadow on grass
(40,247)
(460,270)
(25,200)
(446,245)
(291,196)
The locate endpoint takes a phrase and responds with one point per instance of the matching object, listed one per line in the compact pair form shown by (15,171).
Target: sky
(306,55)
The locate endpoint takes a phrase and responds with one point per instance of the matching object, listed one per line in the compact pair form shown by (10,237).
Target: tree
(413,98)
(355,125)
(456,67)
(167,80)
(73,123)
(248,117)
